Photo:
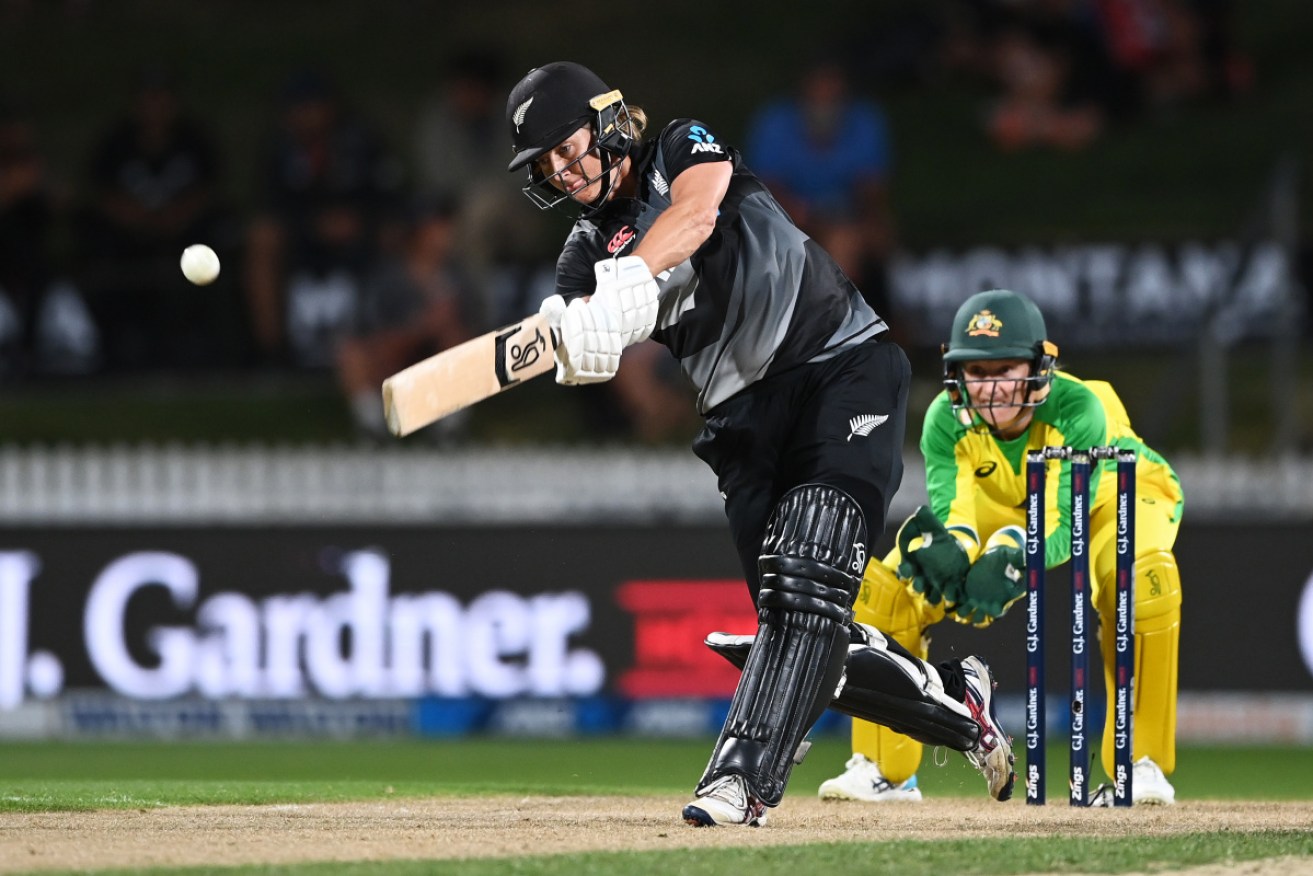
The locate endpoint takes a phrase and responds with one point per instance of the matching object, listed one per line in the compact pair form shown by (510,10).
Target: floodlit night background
(203,523)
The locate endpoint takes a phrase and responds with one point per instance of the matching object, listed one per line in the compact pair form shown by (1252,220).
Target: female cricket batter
(804,400)
(963,555)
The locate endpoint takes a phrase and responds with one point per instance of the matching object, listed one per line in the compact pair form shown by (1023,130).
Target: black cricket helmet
(548,105)
(998,324)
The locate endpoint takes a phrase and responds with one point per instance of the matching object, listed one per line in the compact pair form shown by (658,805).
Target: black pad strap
(819,523)
(877,690)
(805,585)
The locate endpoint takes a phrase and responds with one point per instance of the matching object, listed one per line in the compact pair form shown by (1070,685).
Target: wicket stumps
(1123,621)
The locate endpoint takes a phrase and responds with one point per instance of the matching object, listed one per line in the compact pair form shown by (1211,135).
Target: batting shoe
(862,780)
(726,801)
(993,752)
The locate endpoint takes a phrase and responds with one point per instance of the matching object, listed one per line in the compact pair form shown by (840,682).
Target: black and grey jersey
(757,298)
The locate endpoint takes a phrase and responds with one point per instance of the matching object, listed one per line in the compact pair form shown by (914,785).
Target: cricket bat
(467,373)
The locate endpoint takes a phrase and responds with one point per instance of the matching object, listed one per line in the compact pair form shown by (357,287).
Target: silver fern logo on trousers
(865,424)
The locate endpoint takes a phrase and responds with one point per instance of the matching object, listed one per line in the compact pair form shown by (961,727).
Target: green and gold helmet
(998,324)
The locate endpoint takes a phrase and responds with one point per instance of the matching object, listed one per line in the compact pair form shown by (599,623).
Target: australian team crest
(984,323)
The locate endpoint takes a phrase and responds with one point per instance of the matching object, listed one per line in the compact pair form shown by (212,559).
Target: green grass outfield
(37,777)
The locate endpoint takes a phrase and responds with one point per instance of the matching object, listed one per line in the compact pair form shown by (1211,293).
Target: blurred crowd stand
(1063,71)
(331,188)
(27,216)
(461,157)
(360,253)
(45,326)
(153,183)
(826,154)
(414,303)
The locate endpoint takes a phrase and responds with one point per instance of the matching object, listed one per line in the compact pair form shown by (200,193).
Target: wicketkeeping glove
(625,287)
(591,341)
(934,561)
(996,580)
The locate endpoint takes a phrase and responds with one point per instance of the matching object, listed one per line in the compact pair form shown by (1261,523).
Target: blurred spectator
(461,157)
(413,305)
(45,326)
(1228,70)
(331,187)
(1179,51)
(26,223)
(153,178)
(826,155)
(1067,69)
(1041,102)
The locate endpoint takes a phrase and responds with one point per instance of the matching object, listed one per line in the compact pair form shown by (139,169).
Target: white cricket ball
(200,264)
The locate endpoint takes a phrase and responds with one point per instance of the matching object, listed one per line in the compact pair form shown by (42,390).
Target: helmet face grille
(610,148)
(991,325)
(549,192)
(1043,362)
(971,414)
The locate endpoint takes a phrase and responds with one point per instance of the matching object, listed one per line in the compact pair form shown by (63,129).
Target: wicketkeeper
(962,556)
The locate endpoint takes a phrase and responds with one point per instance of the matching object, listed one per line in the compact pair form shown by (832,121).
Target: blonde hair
(635,122)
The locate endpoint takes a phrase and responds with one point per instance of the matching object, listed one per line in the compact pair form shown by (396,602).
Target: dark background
(1191,172)
(1195,171)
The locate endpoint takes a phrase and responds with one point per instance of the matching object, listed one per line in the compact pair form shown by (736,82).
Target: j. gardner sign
(292,614)
(357,641)
(286,613)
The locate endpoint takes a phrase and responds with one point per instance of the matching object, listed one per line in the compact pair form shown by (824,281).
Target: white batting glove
(553,307)
(625,287)
(591,341)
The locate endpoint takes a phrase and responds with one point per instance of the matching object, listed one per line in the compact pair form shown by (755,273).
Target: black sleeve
(686,142)
(574,267)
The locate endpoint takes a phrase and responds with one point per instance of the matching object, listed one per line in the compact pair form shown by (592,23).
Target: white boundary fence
(252,485)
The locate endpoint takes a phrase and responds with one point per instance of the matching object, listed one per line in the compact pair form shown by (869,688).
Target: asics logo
(865,424)
(518,115)
(621,239)
(986,469)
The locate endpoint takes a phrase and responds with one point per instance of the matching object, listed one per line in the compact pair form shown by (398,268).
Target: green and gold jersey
(977,482)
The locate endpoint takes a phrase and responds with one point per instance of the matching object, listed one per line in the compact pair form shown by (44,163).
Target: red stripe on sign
(671,620)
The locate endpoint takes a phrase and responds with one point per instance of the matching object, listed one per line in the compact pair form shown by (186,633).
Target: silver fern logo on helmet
(518,115)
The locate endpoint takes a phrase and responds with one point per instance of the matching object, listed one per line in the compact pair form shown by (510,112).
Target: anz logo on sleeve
(703,141)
